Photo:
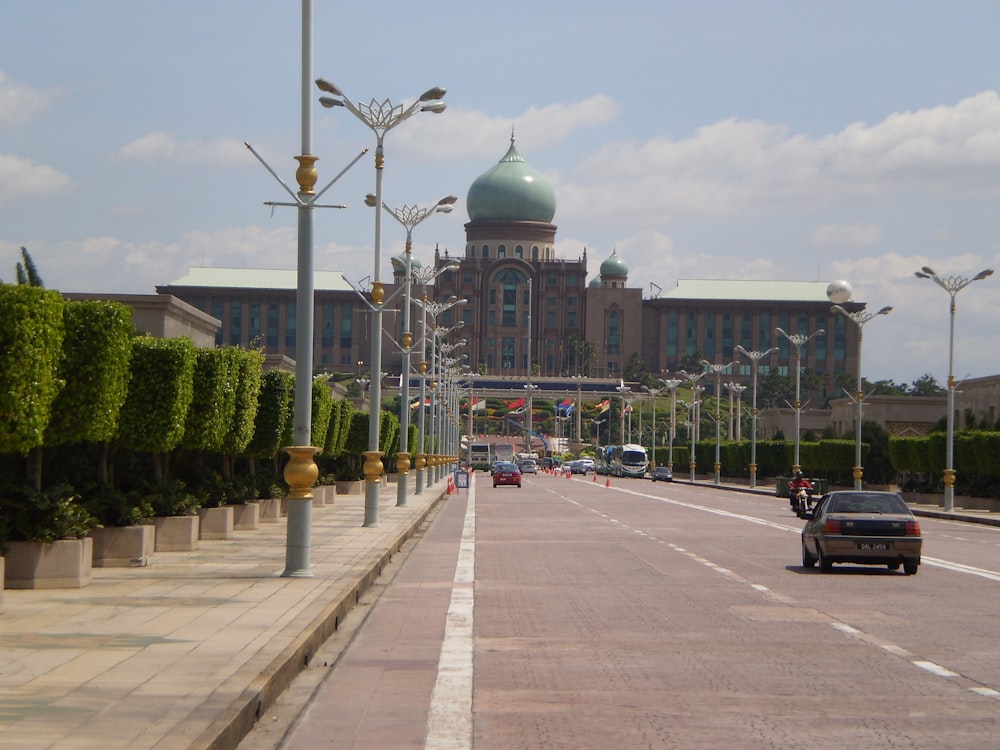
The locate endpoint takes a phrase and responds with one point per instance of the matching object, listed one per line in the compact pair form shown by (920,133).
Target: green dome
(511,191)
(399,263)
(595,282)
(614,267)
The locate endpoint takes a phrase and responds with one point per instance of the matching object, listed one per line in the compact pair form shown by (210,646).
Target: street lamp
(718,370)
(798,340)
(409,217)
(953,285)
(755,358)
(424,276)
(380,118)
(693,378)
(671,385)
(735,389)
(626,396)
(654,392)
(860,318)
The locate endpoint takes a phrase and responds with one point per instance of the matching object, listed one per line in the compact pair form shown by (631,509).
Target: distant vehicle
(627,460)
(588,463)
(575,467)
(661,473)
(505,472)
(550,462)
(480,456)
(867,528)
(502,452)
(528,466)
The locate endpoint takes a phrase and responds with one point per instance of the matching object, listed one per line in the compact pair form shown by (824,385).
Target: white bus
(480,456)
(627,460)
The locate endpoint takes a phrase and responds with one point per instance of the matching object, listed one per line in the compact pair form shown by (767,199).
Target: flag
(564,407)
(511,405)
(604,406)
(627,409)
(478,405)
(415,404)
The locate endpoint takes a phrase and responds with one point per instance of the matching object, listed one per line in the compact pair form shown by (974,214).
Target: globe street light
(735,389)
(953,285)
(380,118)
(424,276)
(409,217)
(718,370)
(755,358)
(798,339)
(860,318)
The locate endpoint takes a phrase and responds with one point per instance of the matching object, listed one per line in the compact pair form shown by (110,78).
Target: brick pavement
(189,651)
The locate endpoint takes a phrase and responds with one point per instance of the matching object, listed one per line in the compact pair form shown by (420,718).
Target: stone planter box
(65,564)
(350,487)
(216,523)
(124,546)
(246,517)
(270,510)
(1,583)
(324,494)
(176,533)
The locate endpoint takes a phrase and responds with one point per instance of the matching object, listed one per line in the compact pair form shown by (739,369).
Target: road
(570,614)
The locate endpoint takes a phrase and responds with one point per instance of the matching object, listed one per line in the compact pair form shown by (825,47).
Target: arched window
(486,251)
(518,252)
(472,251)
(508,280)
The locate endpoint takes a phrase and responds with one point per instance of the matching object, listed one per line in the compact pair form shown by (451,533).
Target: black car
(867,528)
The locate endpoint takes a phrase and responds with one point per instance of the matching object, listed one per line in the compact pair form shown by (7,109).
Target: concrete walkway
(189,651)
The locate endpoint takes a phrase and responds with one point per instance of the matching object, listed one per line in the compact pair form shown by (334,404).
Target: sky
(854,140)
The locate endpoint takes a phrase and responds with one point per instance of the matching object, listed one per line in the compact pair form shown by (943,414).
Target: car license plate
(874,546)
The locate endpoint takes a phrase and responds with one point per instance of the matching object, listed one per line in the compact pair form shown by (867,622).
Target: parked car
(867,528)
(661,473)
(550,462)
(505,472)
(575,467)
(588,463)
(527,466)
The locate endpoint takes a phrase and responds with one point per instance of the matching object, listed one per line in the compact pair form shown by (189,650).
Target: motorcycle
(801,500)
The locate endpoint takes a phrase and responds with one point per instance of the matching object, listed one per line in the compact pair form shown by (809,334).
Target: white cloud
(160,147)
(20,103)
(21,178)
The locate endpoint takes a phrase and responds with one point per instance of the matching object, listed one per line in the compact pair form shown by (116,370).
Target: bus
(627,460)
(480,456)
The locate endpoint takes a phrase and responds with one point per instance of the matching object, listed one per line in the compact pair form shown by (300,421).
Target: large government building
(528,305)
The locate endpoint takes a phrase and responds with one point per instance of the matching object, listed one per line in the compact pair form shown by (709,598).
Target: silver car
(867,528)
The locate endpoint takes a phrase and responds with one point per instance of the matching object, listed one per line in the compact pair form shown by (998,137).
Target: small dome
(614,267)
(399,263)
(511,191)
(595,282)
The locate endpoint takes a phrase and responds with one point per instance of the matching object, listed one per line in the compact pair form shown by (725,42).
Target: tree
(27,272)
(926,385)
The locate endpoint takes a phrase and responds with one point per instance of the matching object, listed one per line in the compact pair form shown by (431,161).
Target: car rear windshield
(863,503)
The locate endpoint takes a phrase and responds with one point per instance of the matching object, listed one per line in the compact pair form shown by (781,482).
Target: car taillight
(831,526)
(913,528)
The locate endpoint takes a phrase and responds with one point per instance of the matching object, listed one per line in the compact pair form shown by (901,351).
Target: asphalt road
(569,614)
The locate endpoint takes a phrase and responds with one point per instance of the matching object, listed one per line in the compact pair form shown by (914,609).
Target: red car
(506,473)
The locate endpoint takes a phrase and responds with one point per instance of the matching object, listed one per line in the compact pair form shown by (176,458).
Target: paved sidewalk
(187,652)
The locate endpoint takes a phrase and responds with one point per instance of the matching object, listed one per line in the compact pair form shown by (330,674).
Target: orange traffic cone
(608,482)
(595,477)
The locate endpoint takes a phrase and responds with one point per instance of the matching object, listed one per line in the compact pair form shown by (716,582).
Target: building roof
(259,278)
(614,267)
(769,290)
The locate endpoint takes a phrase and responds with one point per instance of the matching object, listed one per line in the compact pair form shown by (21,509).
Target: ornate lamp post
(755,358)
(718,370)
(671,385)
(735,389)
(953,285)
(409,217)
(626,396)
(654,392)
(798,340)
(424,276)
(380,118)
(693,379)
(860,318)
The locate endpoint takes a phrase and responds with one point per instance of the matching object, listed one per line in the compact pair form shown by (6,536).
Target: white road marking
(449,722)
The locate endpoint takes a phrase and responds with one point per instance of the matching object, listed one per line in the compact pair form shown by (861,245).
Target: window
(236,321)
(486,251)
(507,352)
(501,252)
(273,317)
(254,333)
(550,319)
(346,325)
(327,325)
(708,337)
(672,334)
(289,325)
(218,311)
(472,251)
(467,318)
(571,319)
(518,252)
(614,333)
(727,332)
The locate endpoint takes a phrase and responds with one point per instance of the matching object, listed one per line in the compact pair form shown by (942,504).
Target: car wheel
(893,565)
(808,558)
(494,485)
(910,566)
(824,564)
(519,485)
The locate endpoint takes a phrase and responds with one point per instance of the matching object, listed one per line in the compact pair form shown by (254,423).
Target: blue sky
(794,140)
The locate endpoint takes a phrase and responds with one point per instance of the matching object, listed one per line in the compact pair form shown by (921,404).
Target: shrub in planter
(49,515)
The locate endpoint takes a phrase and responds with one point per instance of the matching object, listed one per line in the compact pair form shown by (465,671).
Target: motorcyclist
(797,485)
